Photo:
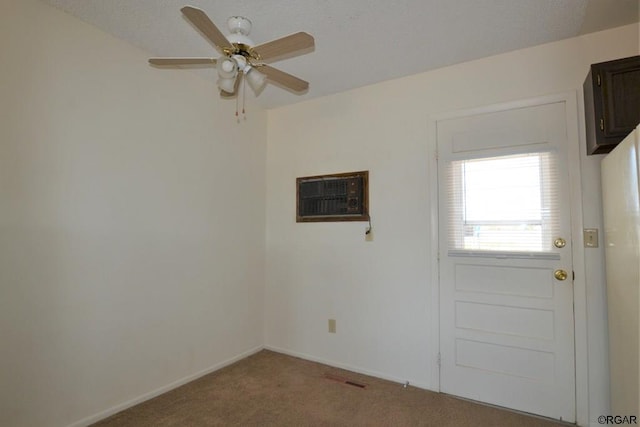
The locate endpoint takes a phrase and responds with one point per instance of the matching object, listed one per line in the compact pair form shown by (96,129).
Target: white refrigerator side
(621,204)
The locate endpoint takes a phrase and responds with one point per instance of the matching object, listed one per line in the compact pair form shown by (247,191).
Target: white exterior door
(506,294)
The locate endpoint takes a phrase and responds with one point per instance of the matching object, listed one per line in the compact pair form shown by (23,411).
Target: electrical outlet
(332,326)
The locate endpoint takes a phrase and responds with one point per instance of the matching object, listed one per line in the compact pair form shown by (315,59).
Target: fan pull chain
(244,91)
(237,119)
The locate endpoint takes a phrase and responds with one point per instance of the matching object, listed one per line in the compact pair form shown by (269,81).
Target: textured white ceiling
(358,42)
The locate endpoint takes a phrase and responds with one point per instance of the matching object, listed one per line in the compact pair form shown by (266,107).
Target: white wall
(380,292)
(131,222)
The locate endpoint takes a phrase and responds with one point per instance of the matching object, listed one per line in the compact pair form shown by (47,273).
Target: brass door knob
(560,275)
(559,243)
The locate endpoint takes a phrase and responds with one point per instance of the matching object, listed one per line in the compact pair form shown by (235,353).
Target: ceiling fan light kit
(227,68)
(241,58)
(226,84)
(256,80)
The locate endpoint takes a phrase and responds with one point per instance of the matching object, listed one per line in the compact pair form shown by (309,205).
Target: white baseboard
(349,367)
(122,406)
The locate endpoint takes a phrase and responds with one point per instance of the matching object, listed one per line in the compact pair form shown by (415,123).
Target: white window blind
(507,204)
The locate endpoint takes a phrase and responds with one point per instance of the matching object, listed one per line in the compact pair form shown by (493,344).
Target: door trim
(578,255)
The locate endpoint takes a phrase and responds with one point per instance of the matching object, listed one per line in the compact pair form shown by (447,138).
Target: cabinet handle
(602,125)
(599,80)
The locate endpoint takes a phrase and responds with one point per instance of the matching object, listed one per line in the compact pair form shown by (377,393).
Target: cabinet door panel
(612,103)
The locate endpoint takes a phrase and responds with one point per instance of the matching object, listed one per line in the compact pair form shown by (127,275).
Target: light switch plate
(590,237)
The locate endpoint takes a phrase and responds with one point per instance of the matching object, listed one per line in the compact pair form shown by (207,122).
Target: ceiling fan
(241,57)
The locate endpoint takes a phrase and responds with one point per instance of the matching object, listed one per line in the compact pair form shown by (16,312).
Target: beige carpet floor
(272,389)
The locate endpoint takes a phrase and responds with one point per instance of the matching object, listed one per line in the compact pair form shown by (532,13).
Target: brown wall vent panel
(335,197)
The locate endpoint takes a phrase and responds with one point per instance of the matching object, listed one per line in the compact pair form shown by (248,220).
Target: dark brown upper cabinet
(612,103)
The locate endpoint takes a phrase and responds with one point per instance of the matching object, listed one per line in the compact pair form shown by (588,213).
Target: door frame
(575,206)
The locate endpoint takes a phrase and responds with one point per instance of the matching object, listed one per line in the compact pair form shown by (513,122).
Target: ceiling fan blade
(285,47)
(284,79)
(182,61)
(208,28)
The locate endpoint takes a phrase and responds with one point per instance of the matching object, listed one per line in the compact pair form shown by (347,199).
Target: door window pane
(506,203)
